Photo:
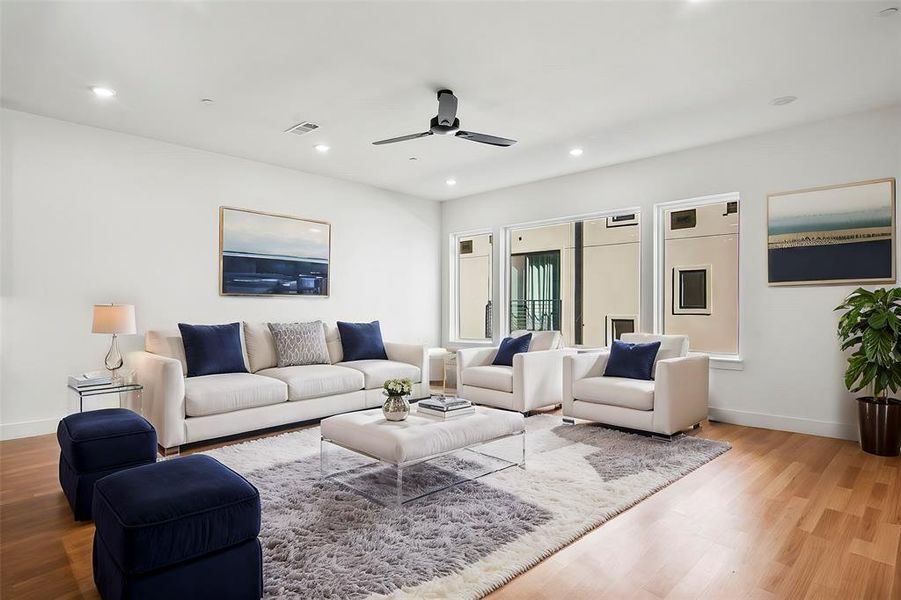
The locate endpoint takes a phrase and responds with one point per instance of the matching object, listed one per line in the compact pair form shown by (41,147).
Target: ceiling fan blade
(402,138)
(484,138)
(447,107)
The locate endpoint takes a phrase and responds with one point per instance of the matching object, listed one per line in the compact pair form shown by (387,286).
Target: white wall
(792,366)
(92,216)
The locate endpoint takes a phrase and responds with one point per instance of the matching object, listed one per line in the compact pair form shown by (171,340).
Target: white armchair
(675,400)
(535,379)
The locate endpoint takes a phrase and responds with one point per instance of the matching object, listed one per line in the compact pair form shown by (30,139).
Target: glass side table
(131,391)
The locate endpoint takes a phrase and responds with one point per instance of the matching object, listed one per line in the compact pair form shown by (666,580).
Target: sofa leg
(569,421)
(167,452)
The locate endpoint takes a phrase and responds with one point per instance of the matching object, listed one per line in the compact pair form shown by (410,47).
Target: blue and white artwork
(839,234)
(263,254)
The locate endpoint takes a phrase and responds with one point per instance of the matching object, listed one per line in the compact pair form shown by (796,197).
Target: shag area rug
(321,540)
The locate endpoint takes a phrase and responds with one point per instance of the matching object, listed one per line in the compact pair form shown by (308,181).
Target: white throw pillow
(300,343)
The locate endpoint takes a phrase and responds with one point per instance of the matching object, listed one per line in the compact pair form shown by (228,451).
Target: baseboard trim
(844,431)
(22,429)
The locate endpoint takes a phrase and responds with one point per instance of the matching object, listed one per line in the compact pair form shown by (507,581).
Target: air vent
(466,247)
(302,128)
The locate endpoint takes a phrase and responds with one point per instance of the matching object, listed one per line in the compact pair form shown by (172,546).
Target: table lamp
(115,319)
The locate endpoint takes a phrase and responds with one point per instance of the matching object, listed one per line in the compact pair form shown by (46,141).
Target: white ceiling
(623,80)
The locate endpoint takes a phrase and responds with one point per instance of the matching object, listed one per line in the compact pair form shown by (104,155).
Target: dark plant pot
(880,425)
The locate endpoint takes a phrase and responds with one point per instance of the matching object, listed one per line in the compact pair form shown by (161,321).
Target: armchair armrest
(473,357)
(538,378)
(412,354)
(680,392)
(580,366)
(163,398)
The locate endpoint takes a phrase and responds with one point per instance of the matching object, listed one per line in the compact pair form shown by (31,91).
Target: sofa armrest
(412,354)
(580,366)
(680,392)
(163,398)
(538,378)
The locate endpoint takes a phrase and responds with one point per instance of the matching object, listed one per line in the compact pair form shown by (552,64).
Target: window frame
(454,285)
(720,361)
(503,244)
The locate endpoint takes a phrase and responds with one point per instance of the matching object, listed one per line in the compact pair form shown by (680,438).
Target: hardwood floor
(781,515)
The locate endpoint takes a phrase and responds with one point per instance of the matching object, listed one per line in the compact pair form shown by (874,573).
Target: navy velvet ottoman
(182,528)
(96,444)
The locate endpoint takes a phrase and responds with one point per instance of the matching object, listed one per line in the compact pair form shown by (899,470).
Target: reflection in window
(474,287)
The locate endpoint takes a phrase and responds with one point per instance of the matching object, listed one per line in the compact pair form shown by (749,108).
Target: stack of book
(445,407)
(89,381)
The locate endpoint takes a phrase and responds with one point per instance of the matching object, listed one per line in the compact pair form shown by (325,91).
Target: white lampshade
(114,318)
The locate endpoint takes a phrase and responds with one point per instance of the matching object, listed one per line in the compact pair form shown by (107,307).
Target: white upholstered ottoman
(400,445)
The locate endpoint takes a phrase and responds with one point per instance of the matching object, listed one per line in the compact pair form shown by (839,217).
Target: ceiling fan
(447,123)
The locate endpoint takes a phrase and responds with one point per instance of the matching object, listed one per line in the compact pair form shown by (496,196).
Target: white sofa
(535,379)
(675,400)
(185,410)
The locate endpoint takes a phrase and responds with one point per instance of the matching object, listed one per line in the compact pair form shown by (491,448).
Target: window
(576,276)
(473,314)
(698,272)
(692,294)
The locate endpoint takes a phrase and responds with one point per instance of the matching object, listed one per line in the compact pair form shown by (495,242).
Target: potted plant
(871,325)
(396,407)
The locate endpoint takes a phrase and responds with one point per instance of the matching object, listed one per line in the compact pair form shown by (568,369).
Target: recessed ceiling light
(575,152)
(322,148)
(451,182)
(889,12)
(412,158)
(783,100)
(206,100)
(103,92)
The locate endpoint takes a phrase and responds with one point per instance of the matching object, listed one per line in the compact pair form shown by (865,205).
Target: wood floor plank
(781,515)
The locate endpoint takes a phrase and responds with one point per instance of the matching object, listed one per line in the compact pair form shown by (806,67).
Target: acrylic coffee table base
(397,484)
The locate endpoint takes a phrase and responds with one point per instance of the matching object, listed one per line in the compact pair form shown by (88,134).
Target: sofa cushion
(492,377)
(376,372)
(671,346)
(510,346)
(157,515)
(333,341)
(300,343)
(541,340)
(213,349)
(261,353)
(362,341)
(227,392)
(314,381)
(635,361)
(106,438)
(616,391)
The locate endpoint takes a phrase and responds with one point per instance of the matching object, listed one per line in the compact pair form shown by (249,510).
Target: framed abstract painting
(262,254)
(840,234)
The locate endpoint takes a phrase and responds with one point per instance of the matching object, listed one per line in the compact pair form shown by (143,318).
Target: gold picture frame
(844,230)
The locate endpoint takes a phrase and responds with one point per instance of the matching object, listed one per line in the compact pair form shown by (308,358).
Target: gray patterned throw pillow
(300,343)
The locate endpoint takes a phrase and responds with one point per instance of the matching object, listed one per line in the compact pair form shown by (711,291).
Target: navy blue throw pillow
(634,361)
(212,349)
(510,346)
(362,341)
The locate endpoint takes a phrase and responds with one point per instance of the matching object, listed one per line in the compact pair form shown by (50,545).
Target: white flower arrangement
(398,387)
